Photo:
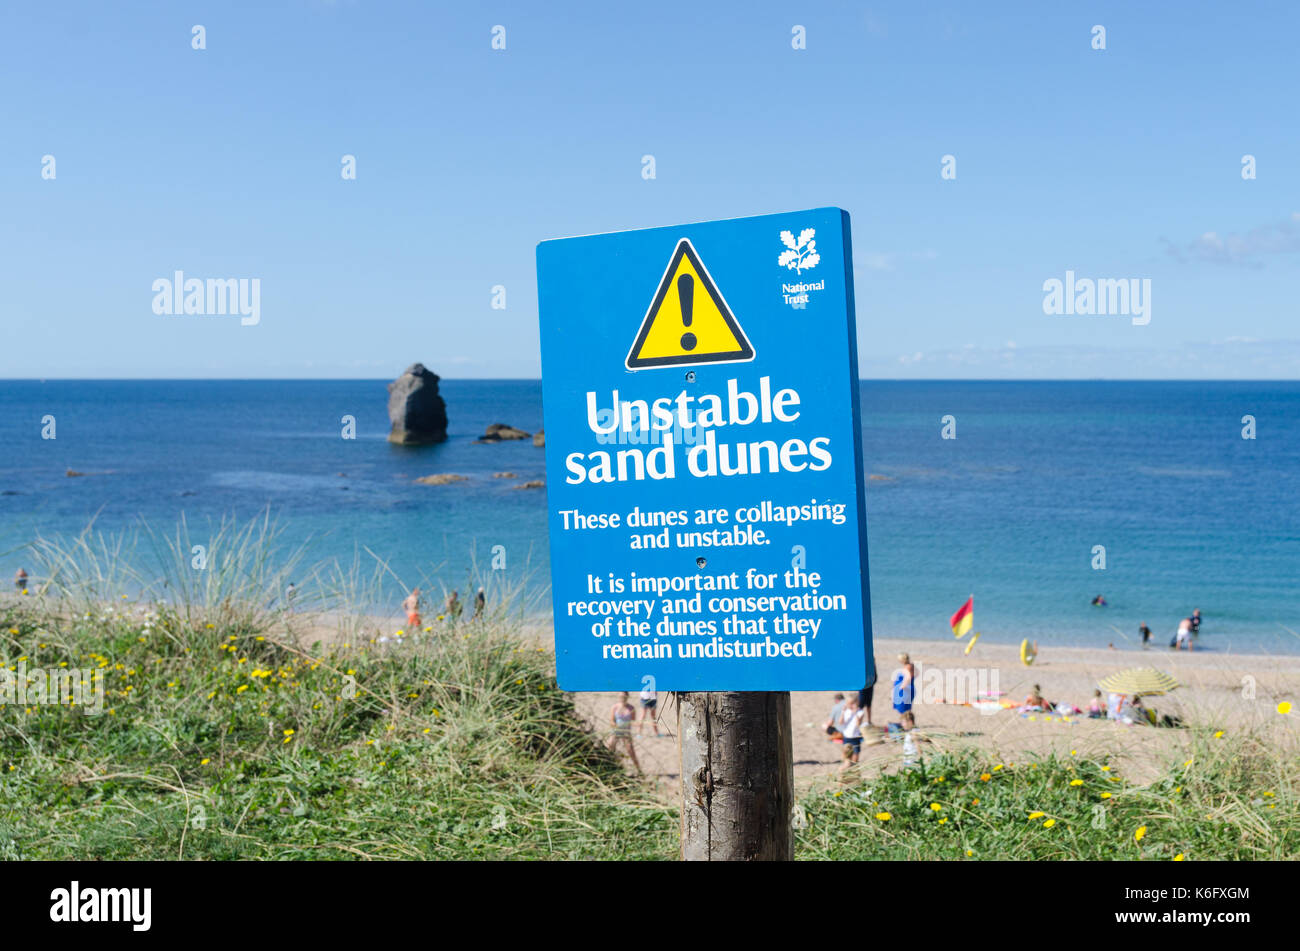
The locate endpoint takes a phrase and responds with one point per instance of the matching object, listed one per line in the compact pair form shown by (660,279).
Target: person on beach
(1115,705)
(864,696)
(649,707)
(289,594)
(412,608)
(1146,634)
(904,685)
(1184,635)
(850,727)
(831,726)
(621,716)
(906,723)
(453,608)
(20,580)
(1196,622)
(1035,701)
(480,602)
(1097,706)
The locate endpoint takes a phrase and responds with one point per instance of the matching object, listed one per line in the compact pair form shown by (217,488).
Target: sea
(1048,495)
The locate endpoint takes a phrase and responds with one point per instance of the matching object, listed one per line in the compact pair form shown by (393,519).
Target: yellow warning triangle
(688,322)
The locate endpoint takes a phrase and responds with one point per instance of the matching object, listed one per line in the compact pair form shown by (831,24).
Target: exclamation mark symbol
(686,294)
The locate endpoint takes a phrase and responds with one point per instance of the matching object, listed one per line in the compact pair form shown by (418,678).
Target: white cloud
(1244,250)
(1233,358)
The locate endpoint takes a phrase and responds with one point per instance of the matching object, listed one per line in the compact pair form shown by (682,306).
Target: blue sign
(704,456)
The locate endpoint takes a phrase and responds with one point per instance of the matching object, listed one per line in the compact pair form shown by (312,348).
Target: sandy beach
(1216,696)
(1220,691)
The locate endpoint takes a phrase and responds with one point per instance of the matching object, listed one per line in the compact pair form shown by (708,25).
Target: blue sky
(225,162)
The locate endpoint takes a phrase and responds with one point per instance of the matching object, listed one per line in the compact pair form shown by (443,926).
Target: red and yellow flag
(964,619)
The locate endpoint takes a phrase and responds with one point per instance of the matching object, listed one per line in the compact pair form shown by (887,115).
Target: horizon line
(538,379)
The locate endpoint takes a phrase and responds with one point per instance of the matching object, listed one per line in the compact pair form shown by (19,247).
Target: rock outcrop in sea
(499,432)
(539,438)
(417,412)
(440,478)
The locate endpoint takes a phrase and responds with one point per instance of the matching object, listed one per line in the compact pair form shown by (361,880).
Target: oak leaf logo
(801,253)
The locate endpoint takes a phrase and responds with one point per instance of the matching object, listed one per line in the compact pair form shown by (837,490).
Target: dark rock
(73,474)
(531,484)
(499,432)
(539,438)
(504,475)
(417,412)
(442,478)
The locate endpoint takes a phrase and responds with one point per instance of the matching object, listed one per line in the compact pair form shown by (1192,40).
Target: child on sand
(850,727)
(907,723)
(831,726)
(20,580)
(1097,706)
(412,608)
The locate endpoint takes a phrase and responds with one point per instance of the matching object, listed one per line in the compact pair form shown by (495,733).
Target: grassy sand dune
(222,742)
(232,728)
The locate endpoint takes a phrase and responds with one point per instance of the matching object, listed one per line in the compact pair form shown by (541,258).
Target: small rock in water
(539,438)
(531,484)
(499,432)
(441,478)
(504,475)
(73,473)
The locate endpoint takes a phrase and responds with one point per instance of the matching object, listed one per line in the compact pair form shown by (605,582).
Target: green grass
(458,747)
(1233,798)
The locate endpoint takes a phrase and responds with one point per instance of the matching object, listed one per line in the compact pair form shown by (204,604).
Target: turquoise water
(1190,514)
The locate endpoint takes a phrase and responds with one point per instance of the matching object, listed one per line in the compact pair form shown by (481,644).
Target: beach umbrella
(1144,681)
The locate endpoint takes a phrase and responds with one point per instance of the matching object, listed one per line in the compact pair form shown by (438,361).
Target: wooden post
(737,776)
